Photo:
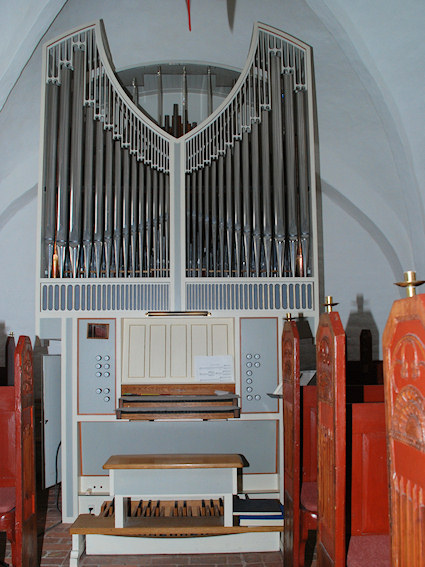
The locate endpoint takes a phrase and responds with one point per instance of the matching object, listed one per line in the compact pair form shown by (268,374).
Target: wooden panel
(369,485)
(309,437)
(199,340)
(373,393)
(291,442)
(404,382)
(136,351)
(178,351)
(330,349)
(91,524)
(174,461)
(20,522)
(157,351)
(220,339)
(7,436)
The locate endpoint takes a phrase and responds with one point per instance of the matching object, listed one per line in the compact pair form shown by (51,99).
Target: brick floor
(54,544)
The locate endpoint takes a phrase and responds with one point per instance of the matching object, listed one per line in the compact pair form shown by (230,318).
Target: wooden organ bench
(195,476)
(17,463)
(143,491)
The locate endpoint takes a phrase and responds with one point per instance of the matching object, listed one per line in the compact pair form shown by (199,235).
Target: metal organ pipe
(290,168)
(106,208)
(303,171)
(50,203)
(278,165)
(62,215)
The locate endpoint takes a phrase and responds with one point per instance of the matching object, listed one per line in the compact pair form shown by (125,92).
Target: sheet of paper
(214,368)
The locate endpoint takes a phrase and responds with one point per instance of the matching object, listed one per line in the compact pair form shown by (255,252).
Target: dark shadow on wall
(358,321)
(368,225)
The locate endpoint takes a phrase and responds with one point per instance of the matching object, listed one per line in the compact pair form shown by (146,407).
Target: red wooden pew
(298,518)
(332,462)
(404,380)
(17,465)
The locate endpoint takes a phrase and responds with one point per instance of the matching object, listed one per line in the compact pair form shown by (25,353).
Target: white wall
(369,118)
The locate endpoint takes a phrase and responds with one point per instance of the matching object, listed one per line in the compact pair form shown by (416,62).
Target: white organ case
(133,220)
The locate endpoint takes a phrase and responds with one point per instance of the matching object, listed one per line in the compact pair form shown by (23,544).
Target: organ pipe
(247,178)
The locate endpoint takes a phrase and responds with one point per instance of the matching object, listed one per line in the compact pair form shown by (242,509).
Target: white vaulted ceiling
(370,86)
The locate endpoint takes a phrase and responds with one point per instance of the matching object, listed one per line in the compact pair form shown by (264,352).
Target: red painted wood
(298,520)
(309,435)
(369,485)
(373,393)
(404,382)
(18,473)
(330,351)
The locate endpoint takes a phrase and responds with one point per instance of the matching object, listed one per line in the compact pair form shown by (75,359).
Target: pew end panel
(330,345)
(404,381)
(17,472)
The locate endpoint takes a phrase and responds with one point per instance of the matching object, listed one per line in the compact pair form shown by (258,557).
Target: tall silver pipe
(288,88)
(109,202)
(148,240)
(155,222)
(142,219)
(167,224)
(303,174)
(185,113)
(247,213)
(193,185)
(118,207)
(266,193)
(62,217)
(161,251)
(88,192)
(160,97)
(278,171)
(188,227)
(134,209)
(214,227)
(210,93)
(221,231)
(256,202)
(238,206)
(199,226)
(229,210)
(126,204)
(207,199)
(50,162)
(99,199)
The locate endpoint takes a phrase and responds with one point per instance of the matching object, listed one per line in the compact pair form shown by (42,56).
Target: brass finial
(288,317)
(329,303)
(410,283)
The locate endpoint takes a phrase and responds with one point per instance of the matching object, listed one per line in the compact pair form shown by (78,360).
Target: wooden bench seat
(165,476)
(17,463)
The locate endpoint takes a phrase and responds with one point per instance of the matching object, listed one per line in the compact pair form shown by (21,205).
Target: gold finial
(329,303)
(288,317)
(410,283)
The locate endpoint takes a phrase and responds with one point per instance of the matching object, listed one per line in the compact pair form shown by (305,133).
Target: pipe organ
(167,264)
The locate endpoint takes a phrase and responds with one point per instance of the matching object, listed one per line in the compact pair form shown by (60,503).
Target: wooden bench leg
(78,546)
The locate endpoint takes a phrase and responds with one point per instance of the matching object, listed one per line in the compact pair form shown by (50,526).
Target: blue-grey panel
(259,364)
(96,367)
(255,440)
(50,328)
(69,453)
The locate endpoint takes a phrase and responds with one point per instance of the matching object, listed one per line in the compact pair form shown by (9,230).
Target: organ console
(211,227)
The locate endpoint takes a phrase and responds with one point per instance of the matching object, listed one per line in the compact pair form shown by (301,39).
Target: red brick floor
(55,545)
